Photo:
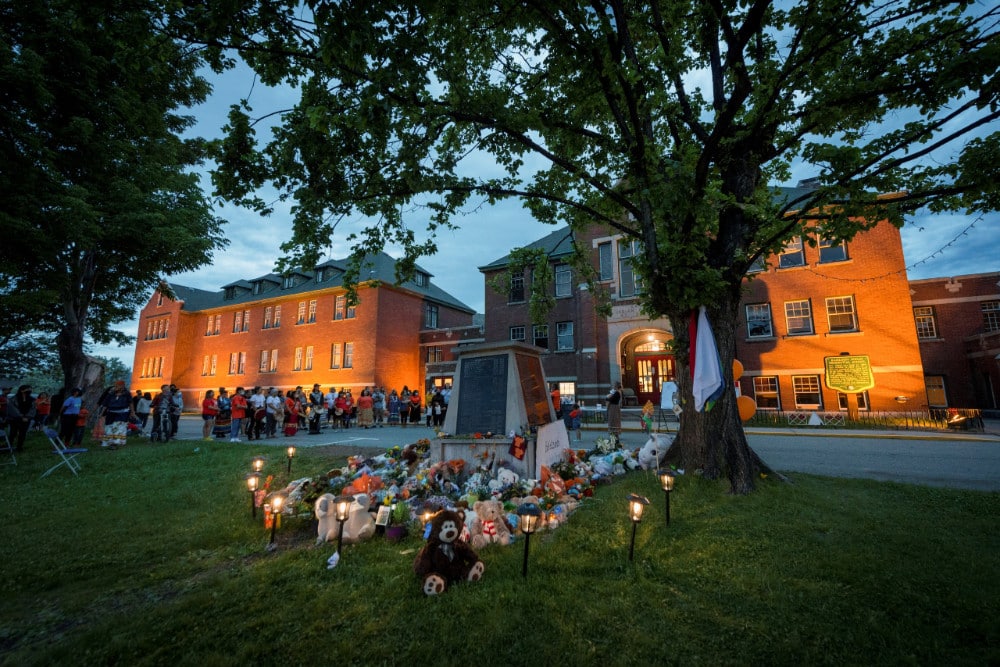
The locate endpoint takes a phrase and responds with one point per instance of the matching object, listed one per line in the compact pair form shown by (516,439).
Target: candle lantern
(257,463)
(636,505)
(667,482)
(343,509)
(253,483)
(529,517)
(276,503)
(291,455)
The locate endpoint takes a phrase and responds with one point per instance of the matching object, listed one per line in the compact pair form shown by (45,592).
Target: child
(81,424)
(575,419)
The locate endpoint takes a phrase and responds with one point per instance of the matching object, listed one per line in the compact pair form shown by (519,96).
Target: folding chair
(6,447)
(66,454)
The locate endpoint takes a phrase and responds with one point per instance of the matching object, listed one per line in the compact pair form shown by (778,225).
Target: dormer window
(258,286)
(288,281)
(420,279)
(321,274)
(230,293)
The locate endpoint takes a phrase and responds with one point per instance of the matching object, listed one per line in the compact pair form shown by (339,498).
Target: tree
(98,197)
(663,121)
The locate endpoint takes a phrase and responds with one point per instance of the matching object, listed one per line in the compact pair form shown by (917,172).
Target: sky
(933,245)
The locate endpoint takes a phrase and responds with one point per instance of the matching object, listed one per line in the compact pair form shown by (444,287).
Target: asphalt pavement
(957,459)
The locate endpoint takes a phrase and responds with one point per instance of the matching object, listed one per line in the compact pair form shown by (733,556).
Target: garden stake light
(667,482)
(291,454)
(529,516)
(276,503)
(253,483)
(257,463)
(343,504)
(636,504)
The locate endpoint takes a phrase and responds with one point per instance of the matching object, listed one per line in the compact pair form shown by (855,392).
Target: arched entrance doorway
(648,364)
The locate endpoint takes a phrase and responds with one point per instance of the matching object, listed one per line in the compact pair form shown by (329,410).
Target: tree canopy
(98,195)
(666,121)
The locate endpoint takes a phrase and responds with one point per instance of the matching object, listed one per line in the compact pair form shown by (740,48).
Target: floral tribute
(404,474)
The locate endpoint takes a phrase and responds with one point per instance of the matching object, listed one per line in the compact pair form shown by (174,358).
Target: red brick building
(297,329)
(808,304)
(958,326)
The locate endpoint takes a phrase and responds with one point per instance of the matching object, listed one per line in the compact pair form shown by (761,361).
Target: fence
(934,419)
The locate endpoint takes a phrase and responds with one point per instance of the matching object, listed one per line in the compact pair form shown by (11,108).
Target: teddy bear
(654,449)
(359,525)
(489,526)
(445,559)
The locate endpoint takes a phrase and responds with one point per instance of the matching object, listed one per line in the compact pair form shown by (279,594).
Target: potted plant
(399,520)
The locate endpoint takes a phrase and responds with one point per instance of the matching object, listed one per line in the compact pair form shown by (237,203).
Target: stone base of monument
(478,452)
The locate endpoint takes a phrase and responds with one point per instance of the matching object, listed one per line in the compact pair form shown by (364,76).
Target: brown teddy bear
(445,559)
(489,526)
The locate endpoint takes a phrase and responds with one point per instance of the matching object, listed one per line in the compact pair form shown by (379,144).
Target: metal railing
(964,419)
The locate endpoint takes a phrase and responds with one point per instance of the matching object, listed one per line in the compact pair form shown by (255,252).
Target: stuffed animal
(489,526)
(444,559)
(654,449)
(359,525)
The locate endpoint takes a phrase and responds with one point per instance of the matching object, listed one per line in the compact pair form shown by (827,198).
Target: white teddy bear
(654,449)
(359,525)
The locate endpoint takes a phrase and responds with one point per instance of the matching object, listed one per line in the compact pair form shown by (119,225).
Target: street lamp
(667,482)
(257,463)
(636,504)
(529,516)
(291,454)
(276,503)
(253,483)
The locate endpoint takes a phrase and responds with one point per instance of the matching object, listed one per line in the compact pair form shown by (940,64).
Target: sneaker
(237,440)
(208,439)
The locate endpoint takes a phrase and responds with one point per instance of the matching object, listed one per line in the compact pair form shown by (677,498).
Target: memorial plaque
(849,373)
(483,402)
(533,389)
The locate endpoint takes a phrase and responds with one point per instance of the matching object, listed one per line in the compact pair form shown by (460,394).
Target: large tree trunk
(712,442)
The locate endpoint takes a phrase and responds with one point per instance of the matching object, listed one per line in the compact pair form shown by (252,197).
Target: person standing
(257,414)
(394,407)
(413,407)
(20,413)
(43,407)
(366,409)
(436,408)
(378,406)
(615,412)
(176,408)
(116,408)
(238,411)
(209,410)
(556,401)
(316,403)
(142,409)
(68,414)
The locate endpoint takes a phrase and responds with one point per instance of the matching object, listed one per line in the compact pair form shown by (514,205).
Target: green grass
(151,557)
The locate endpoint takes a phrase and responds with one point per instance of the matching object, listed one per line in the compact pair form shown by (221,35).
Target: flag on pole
(706,367)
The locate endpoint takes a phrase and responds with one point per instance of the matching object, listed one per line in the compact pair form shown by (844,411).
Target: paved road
(958,460)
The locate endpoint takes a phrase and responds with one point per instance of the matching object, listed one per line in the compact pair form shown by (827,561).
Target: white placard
(552,441)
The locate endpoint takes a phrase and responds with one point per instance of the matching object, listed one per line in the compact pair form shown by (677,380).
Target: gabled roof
(379,267)
(556,244)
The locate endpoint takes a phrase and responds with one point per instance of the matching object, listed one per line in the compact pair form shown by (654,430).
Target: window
(862,401)
(237,321)
(339,305)
(268,361)
(606,261)
(243,363)
(628,283)
(273,366)
(567,393)
(297,361)
(564,280)
(758,265)
(798,317)
(348,355)
(301,317)
(420,279)
(991,315)
(277,316)
(308,363)
(430,316)
(336,357)
(321,274)
(268,312)
(936,396)
(230,293)
(831,251)
(517,333)
(765,392)
(233,361)
(516,289)
(792,254)
(926,324)
(759,320)
(287,282)
(540,335)
(208,364)
(311,317)
(159,299)
(246,321)
(214,326)
(807,394)
(434,355)
(564,336)
(258,286)
(840,313)
(350,312)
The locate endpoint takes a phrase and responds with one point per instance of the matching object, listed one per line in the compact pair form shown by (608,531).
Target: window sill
(849,260)
(930,340)
(760,339)
(801,335)
(839,334)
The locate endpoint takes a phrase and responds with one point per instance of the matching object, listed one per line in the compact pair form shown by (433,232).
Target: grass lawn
(151,557)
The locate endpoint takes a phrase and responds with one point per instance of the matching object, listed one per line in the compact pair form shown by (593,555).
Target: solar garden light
(343,506)
(257,463)
(291,454)
(667,482)
(253,483)
(636,505)
(276,503)
(529,516)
